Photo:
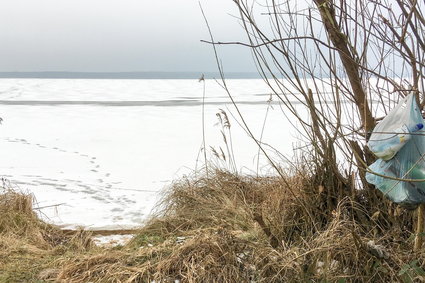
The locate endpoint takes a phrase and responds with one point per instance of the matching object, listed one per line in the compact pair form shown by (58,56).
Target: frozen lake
(102,150)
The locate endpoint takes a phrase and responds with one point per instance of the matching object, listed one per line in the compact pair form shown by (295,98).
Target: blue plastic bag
(404,153)
(394,131)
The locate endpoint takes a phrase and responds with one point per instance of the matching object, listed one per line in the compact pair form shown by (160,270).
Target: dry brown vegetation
(29,246)
(345,62)
(225,228)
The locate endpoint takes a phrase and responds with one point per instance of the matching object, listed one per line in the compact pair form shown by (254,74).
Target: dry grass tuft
(228,228)
(18,216)
(208,256)
(28,245)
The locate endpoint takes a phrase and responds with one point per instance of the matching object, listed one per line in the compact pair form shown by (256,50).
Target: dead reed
(228,228)
(29,246)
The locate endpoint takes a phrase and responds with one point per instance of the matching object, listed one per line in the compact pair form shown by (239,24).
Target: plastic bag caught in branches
(392,133)
(400,142)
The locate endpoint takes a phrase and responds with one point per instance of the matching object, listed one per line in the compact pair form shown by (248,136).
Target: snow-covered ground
(97,153)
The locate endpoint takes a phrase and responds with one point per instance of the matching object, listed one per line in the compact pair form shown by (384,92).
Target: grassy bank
(224,228)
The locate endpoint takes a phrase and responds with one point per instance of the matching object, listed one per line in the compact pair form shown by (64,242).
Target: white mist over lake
(103,150)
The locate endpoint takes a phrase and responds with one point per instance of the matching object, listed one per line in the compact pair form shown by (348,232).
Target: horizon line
(125,75)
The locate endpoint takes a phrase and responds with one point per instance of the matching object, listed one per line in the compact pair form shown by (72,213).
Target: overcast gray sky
(117,35)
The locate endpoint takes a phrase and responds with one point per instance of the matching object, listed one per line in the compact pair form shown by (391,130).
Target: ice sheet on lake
(104,166)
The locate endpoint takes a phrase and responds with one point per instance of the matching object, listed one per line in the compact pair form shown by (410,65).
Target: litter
(399,142)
